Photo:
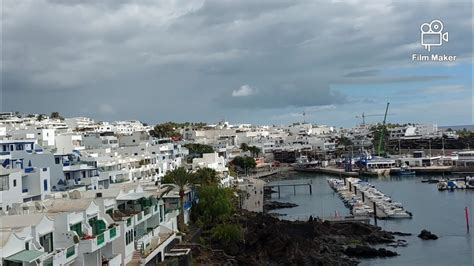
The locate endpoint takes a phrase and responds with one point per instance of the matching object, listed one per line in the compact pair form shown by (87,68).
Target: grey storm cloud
(182,60)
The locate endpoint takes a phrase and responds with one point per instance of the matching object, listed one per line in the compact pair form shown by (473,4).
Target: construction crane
(363,116)
(382,133)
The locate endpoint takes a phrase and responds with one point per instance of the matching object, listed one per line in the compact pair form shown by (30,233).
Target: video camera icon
(432,35)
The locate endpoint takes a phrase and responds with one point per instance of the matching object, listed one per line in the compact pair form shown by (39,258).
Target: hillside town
(75,191)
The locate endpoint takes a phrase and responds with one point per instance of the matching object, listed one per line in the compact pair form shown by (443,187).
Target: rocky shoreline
(270,241)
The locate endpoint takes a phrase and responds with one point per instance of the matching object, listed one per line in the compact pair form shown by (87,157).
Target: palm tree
(255,151)
(181,178)
(206,176)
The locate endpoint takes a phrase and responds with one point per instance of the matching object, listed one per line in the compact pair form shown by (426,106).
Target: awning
(26,256)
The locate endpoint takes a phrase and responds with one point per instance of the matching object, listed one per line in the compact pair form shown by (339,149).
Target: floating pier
(364,200)
(309,185)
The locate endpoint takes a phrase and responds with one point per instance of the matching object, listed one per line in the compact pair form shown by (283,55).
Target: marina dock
(364,200)
(327,170)
(380,172)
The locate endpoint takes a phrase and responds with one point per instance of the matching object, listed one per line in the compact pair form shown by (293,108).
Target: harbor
(365,200)
(441,212)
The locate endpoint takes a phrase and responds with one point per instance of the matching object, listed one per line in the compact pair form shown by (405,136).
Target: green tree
(206,177)
(164,130)
(244,147)
(244,162)
(182,178)
(215,204)
(56,115)
(196,149)
(255,151)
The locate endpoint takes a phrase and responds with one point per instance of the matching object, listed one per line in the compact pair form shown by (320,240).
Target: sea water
(441,212)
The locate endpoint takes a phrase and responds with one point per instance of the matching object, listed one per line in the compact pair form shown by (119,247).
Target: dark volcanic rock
(427,235)
(273,205)
(270,241)
(369,252)
(401,234)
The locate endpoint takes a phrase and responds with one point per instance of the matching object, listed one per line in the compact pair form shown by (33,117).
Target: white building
(10,188)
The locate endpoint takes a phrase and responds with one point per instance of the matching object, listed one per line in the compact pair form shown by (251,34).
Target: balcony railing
(70,251)
(112,232)
(100,239)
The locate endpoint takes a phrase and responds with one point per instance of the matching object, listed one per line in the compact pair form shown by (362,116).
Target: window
(4,182)
(47,242)
(128,237)
(56,160)
(45,185)
(14,182)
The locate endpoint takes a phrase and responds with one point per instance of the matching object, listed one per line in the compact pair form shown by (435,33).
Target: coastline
(271,241)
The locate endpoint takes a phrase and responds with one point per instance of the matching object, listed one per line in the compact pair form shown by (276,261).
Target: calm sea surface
(441,212)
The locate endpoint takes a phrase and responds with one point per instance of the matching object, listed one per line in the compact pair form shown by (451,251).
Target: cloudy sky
(263,62)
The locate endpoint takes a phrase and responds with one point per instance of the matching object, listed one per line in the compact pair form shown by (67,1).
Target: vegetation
(215,207)
(196,150)
(465,133)
(254,150)
(215,204)
(244,162)
(227,233)
(40,117)
(206,177)
(165,130)
(244,146)
(56,115)
(182,178)
(170,129)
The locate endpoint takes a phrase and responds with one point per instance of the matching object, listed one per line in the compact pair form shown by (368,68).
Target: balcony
(64,256)
(71,253)
(154,242)
(94,243)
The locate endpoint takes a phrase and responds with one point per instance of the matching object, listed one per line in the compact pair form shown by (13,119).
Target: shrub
(227,233)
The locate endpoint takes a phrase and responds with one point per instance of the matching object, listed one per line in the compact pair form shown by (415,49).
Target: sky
(262,62)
